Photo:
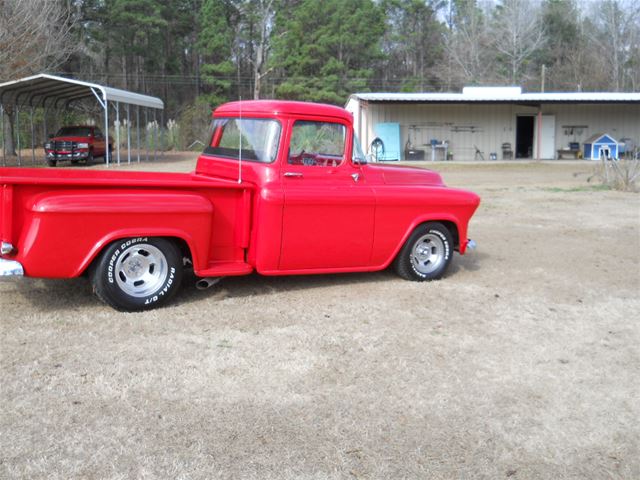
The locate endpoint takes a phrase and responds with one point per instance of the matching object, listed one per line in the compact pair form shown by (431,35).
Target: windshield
(253,139)
(74,132)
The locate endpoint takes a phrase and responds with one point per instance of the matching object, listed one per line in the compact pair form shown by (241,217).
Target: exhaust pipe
(207,282)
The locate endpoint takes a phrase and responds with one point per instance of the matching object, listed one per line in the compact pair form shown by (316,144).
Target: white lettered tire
(427,253)
(137,273)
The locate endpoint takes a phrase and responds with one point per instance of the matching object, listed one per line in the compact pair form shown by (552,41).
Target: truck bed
(60,220)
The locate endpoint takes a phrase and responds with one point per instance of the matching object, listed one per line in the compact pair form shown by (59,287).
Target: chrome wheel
(141,270)
(428,254)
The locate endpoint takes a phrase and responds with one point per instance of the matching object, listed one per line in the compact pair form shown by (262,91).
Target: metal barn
(485,123)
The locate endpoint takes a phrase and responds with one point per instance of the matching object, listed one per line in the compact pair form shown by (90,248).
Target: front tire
(427,253)
(136,274)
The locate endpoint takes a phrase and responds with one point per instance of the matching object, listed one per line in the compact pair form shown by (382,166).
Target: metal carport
(50,91)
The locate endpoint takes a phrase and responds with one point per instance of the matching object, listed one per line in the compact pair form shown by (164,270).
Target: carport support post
(33,133)
(146,133)
(138,129)
(4,155)
(44,127)
(128,136)
(106,130)
(118,131)
(539,136)
(18,134)
(155,136)
(163,143)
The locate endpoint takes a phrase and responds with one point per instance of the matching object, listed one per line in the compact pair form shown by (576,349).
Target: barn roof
(37,90)
(499,95)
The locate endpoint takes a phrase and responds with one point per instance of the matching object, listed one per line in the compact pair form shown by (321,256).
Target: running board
(225,269)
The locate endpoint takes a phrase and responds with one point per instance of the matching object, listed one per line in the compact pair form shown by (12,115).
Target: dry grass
(522,363)
(620,174)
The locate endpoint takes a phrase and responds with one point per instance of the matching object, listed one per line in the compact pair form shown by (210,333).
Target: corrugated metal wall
(489,126)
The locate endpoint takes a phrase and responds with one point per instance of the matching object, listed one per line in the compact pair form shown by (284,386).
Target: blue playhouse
(601,143)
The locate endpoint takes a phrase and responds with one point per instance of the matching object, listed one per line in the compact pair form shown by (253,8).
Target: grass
(521,363)
(585,188)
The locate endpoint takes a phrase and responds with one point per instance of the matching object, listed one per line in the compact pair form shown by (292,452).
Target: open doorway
(524,136)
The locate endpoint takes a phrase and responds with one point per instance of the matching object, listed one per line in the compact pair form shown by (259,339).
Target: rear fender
(64,231)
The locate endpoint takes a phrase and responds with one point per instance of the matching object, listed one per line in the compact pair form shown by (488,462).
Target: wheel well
(181,244)
(453,230)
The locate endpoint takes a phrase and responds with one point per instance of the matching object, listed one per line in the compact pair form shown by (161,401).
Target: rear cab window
(252,139)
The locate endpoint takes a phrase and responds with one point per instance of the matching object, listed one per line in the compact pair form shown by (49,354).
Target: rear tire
(52,163)
(427,253)
(134,274)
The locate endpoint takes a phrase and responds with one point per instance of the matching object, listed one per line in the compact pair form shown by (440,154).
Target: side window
(319,144)
(97,133)
(358,154)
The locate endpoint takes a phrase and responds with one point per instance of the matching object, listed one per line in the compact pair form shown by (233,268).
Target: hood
(396,175)
(65,138)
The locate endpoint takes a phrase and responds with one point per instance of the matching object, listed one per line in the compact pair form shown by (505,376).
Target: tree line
(195,54)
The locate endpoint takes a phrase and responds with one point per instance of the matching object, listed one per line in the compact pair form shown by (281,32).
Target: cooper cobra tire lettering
(426,254)
(137,273)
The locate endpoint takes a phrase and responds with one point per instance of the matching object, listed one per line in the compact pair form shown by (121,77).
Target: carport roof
(500,95)
(37,90)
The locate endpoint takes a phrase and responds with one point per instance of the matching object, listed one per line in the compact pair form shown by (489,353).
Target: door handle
(293,174)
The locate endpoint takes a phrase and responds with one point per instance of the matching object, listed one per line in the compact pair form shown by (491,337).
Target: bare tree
(265,13)
(517,34)
(466,45)
(617,40)
(35,35)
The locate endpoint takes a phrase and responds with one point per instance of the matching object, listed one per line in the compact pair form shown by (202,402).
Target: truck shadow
(256,285)
(76,294)
(470,262)
(55,295)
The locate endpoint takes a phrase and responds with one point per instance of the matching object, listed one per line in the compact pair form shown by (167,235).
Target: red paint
(283,218)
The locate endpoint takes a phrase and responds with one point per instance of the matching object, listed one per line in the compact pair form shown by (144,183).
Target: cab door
(328,210)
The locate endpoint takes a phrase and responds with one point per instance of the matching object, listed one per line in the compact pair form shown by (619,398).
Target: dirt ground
(523,363)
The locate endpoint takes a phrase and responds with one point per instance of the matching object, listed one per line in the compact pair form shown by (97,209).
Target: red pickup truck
(76,143)
(283,189)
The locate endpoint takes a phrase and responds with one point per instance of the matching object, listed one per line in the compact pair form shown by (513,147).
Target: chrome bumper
(471,244)
(10,268)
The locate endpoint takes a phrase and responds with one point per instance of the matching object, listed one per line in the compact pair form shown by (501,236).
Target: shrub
(618,174)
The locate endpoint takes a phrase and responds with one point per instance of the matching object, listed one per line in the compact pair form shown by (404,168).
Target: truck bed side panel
(59,224)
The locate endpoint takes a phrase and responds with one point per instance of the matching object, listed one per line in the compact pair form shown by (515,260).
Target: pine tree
(326,50)
(218,19)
